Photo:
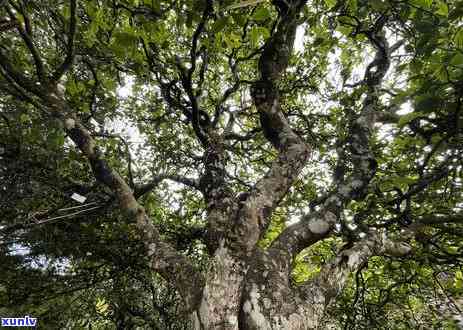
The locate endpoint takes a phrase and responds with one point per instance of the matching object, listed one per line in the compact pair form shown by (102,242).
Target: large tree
(287,164)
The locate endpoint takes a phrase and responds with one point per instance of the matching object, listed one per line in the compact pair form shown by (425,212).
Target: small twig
(27,38)
(70,45)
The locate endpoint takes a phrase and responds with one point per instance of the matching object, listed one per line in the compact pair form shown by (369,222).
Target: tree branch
(141,190)
(228,92)
(254,215)
(27,38)
(70,44)
(162,258)
(329,283)
(354,186)
(268,278)
(432,219)
(187,78)
(305,233)
(20,79)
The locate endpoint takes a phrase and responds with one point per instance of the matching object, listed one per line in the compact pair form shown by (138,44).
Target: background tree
(285,165)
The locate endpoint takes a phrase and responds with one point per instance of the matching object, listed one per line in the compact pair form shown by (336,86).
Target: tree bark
(247,287)
(256,293)
(250,288)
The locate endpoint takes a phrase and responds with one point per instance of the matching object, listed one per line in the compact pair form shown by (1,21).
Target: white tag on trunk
(78,198)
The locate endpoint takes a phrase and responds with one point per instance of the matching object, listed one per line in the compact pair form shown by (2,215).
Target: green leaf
(405,119)
(426,27)
(452,249)
(90,34)
(239,18)
(378,5)
(101,306)
(459,38)
(55,138)
(457,60)
(423,3)
(261,14)
(403,181)
(91,9)
(442,9)
(330,3)
(345,30)
(24,118)
(59,140)
(440,72)
(435,139)
(352,5)
(458,283)
(125,39)
(256,34)
(232,40)
(155,5)
(426,103)
(160,34)
(219,24)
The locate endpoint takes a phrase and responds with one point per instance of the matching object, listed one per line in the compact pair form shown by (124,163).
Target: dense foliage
(151,87)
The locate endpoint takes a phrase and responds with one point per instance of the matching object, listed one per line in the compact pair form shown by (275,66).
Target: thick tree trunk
(220,304)
(255,295)
(254,292)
